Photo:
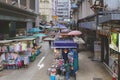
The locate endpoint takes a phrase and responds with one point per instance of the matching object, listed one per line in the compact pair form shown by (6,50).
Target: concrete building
(46,10)
(54,7)
(18,15)
(54,11)
(99,20)
(63,10)
(85,20)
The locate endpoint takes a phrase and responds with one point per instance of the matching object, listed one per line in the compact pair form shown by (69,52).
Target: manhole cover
(97,78)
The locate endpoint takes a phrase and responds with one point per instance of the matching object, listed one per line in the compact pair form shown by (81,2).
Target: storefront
(114,46)
(109,51)
(109,34)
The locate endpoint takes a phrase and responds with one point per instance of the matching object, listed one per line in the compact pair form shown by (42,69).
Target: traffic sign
(55,17)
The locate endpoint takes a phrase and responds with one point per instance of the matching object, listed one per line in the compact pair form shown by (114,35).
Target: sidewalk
(91,70)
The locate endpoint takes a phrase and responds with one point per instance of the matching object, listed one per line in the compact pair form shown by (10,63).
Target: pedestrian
(72,72)
(49,43)
(67,67)
(65,55)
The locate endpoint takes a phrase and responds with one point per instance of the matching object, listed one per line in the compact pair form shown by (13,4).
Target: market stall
(18,52)
(32,47)
(40,36)
(66,58)
(3,50)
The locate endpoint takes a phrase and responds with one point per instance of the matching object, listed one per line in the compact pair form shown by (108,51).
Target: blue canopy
(40,35)
(64,44)
(33,30)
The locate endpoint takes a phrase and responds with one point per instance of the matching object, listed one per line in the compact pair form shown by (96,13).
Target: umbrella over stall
(49,39)
(48,27)
(39,35)
(61,26)
(75,33)
(65,30)
(34,30)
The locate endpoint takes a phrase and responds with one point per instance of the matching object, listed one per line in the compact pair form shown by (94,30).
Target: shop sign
(115,41)
(55,17)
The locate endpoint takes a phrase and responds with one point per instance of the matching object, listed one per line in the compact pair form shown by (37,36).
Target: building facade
(18,14)
(46,10)
(99,21)
(85,20)
(54,7)
(108,28)
(63,10)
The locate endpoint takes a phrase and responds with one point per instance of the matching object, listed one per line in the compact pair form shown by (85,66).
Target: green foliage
(114,38)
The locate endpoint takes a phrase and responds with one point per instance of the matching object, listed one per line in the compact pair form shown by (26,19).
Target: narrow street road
(91,70)
(37,70)
(34,72)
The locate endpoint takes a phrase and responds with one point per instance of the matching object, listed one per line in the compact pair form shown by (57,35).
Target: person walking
(67,67)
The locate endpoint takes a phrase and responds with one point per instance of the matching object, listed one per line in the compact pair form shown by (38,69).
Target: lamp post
(97,7)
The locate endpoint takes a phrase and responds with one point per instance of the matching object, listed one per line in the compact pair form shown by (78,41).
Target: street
(91,70)
(37,70)
(91,27)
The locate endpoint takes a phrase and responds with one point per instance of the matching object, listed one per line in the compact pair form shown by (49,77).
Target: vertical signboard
(97,50)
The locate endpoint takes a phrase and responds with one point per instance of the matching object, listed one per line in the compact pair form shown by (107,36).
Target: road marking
(39,64)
